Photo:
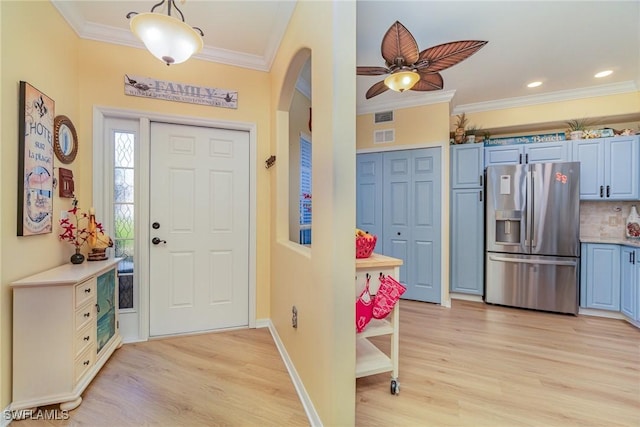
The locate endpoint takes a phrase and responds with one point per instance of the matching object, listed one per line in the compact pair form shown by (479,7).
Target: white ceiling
(561,43)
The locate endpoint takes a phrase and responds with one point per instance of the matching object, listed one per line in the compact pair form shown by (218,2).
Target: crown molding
(561,95)
(408,102)
(113,35)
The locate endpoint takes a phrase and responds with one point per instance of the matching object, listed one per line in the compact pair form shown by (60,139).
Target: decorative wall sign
(530,139)
(35,161)
(67,187)
(147,87)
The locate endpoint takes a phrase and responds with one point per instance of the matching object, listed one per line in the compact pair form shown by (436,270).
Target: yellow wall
(40,48)
(319,280)
(601,109)
(78,75)
(426,124)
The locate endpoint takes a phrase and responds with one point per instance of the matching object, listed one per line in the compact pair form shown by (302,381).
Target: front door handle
(156,241)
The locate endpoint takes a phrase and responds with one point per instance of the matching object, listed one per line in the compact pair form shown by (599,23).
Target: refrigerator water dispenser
(508,227)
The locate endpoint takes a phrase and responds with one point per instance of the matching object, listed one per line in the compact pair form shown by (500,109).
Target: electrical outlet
(294,316)
(63,214)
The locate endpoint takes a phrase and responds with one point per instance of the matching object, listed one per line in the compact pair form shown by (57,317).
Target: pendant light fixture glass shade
(169,39)
(402,80)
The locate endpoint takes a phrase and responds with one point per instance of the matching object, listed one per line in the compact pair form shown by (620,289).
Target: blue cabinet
(467,166)
(630,282)
(467,241)
(528,153)
(467,220)
(600,276)
(608,168)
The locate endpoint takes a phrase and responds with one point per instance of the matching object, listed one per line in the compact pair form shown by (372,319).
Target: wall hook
(270,162)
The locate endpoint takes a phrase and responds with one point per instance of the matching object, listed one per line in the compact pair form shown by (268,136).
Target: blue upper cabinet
(528,153)
(608,168)
(467,166)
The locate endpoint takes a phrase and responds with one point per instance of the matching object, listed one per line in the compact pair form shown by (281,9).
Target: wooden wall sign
(67,187)
(148,87)
(35,161)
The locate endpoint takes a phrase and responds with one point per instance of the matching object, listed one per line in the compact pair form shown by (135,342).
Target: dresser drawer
(83,363)
(85,314)
(85,291)
(85,338)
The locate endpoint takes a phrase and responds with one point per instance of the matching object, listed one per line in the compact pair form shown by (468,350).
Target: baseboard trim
(465,297)
(600,313)
(310,410)
(6,417)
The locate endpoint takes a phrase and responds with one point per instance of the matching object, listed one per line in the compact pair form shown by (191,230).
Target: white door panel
(199,278)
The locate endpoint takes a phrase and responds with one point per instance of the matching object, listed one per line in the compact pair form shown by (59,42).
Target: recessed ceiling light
(534,84)
(603,73)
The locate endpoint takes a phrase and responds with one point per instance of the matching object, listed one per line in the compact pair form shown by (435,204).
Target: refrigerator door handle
(528,233)
(532,261)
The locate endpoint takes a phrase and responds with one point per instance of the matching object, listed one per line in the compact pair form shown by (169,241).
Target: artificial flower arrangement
(80,228)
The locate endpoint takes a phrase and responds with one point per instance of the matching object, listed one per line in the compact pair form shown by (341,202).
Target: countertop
(611,240)
(377,260)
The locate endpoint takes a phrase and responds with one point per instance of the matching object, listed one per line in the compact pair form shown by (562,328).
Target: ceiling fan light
(402,80)
(170,40)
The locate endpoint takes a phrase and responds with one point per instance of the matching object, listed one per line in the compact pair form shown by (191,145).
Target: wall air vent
(383,117)
(384,136)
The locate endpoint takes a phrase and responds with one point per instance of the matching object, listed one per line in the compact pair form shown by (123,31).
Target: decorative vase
(77,258)
(459,136)
(576,134)
(632,230)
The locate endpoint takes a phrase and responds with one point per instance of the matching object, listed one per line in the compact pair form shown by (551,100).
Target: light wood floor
(484,365)
(471,365)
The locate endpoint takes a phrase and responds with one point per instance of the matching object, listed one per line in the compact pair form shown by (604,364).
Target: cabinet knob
(86,338)
(87,290)
(87,314)
(86,363)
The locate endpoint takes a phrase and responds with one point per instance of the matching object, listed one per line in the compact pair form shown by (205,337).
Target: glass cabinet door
(106,307)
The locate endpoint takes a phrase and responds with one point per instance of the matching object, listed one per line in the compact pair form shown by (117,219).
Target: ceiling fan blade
(377,89)
(429,81)
(372,71)
(399,43)
(443,56)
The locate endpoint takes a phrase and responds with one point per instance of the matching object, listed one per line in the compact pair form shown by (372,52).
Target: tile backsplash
(604,219)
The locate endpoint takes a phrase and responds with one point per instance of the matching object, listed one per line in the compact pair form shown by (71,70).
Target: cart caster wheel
(395,387)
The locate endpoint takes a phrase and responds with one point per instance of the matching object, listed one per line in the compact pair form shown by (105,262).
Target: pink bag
(364,308)
(388,295)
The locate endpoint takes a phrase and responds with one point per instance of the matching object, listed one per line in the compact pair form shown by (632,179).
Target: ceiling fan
(410,69)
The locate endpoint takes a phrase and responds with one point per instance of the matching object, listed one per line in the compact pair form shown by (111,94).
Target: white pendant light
(169,39)
(402,80)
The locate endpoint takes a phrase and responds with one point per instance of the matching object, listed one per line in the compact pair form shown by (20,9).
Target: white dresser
(65,328)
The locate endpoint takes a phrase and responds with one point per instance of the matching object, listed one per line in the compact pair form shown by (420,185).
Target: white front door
(199,217)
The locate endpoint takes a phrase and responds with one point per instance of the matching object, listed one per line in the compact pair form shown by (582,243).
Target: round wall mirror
(65,139)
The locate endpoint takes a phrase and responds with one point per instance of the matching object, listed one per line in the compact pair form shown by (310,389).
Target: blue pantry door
(411,218)
(369,195)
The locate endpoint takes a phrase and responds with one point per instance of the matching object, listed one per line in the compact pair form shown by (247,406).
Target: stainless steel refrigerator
(533,236)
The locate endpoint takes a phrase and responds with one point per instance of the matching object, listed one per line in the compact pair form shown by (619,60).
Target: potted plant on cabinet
(577,128)
(460,132)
